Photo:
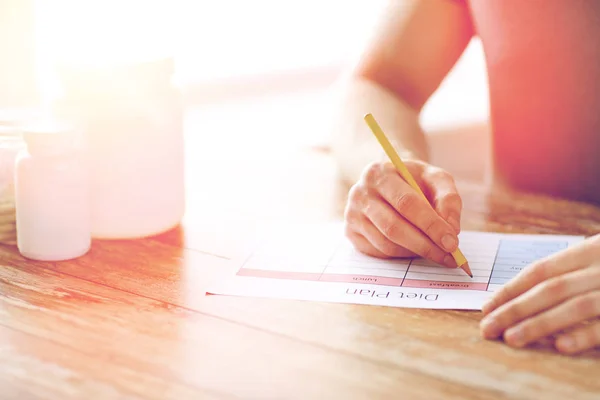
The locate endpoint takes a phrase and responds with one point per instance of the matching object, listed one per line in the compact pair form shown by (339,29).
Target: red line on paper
(313,276)
(368,279)
(415,283)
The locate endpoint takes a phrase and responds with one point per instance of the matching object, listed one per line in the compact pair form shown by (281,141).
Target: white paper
(318,263)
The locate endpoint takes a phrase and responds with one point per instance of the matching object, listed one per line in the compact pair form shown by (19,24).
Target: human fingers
(362,244)
(403,233)
(381,242)
(543,296)
(443,194)
(563,316)
(579,340)
(411,206)
(358,227)
(571,259)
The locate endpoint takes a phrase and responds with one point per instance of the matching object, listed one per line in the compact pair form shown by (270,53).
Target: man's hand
(558,296)
(386,218)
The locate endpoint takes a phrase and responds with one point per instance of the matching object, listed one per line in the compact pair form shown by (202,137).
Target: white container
(132,117)
(51,196)
(11,143)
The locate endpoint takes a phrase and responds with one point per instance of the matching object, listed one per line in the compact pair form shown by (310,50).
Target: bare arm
(413,49)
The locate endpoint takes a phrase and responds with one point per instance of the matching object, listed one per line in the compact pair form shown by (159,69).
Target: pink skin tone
(386,218)
(557,298)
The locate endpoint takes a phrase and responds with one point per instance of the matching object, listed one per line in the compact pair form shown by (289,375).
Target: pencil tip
(465,267)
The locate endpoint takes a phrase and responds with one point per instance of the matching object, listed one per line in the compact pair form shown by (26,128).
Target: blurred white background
(258,59)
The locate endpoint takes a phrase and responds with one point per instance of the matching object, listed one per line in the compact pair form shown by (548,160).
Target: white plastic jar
(51,195)
(11,143)
(132,117)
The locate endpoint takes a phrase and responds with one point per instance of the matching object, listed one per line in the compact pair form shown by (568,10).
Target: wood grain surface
(130,319)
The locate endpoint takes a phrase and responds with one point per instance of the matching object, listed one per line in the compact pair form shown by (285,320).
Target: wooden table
(130,319)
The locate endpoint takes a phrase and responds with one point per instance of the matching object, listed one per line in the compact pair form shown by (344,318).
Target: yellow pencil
(460,259)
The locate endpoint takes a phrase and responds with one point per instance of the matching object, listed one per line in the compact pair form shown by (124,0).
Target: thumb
(443,195)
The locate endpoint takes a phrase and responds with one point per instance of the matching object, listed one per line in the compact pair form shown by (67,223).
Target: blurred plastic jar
(115,66)
(11,143)
(51,192)
(132,118)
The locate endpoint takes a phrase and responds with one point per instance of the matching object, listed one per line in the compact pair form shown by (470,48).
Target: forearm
(353,145)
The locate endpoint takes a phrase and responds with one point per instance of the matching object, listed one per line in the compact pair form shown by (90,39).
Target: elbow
(395,80)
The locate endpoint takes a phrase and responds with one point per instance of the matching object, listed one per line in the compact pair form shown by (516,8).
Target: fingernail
(487,307)
(490,328)
(449,261)
(449,242)
(515,337)
(566,344)
(454,223)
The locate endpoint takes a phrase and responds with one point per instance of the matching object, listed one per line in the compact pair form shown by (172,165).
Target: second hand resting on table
(544,114)
(558,296)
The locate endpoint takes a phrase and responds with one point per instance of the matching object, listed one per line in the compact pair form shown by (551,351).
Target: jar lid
(50,137)
(11,118)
